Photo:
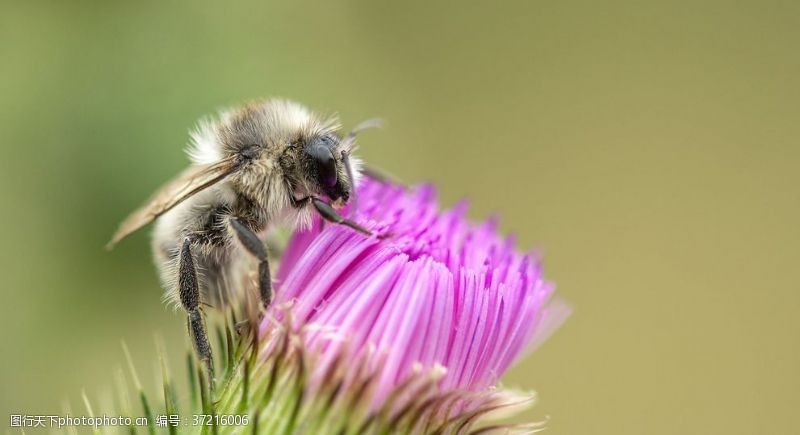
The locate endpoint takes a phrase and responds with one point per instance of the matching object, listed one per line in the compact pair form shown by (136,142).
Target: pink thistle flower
(436,292)
(404,333)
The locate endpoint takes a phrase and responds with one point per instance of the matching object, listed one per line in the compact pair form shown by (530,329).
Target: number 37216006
(220,420)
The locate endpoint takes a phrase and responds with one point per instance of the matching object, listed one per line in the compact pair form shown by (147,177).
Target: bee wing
(190,181)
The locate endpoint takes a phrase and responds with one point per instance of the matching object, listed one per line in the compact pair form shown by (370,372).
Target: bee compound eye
(325,163)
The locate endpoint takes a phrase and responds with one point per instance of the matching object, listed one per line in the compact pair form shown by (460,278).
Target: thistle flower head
(435,291)
(407,332)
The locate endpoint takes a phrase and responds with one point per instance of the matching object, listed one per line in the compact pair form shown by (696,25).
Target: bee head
(330,167)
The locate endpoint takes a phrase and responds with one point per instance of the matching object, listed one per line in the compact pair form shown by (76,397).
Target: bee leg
(330,214)
(255,246)
(190,300)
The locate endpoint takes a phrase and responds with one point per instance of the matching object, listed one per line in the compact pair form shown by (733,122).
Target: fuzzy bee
(268,162)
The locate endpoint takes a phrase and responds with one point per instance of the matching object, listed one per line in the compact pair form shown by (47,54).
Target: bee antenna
(349,138)
(365,125)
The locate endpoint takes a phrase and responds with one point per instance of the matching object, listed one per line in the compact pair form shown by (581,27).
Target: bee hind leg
(190,300)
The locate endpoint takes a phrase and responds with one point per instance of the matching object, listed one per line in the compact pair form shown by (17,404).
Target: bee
(268,162)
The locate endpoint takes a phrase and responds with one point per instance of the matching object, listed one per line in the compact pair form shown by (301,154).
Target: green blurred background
(650,149)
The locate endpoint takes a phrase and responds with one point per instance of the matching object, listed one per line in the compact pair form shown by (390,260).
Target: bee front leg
(190,300)
(331,215)
(256,247)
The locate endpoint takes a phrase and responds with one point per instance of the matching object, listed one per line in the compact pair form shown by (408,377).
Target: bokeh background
(649,148)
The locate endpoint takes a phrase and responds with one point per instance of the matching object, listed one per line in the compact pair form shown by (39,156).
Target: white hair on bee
(356,165)
(203,145)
